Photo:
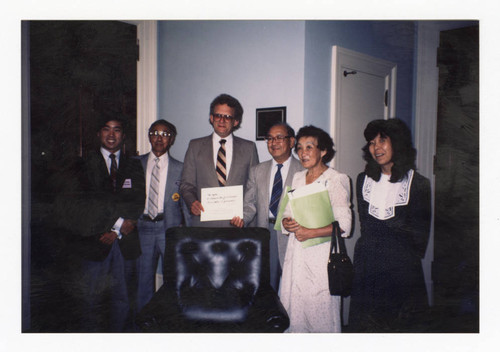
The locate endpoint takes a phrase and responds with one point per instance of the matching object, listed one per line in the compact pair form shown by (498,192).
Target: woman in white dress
(304,285)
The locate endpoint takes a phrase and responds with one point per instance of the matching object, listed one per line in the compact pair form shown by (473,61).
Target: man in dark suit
(220,159)
(263,198)
(112,198)
(164,207)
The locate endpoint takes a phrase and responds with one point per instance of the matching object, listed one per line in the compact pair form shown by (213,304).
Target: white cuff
(117,226)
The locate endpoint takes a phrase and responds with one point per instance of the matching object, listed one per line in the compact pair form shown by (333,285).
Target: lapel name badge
(127,183)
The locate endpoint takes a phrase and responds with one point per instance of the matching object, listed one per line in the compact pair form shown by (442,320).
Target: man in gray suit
(218,160)
(263,193)
(163,208)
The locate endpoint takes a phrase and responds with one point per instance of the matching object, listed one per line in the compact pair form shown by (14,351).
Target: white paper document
(221,203)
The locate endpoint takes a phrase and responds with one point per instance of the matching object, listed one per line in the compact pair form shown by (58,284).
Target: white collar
(285,163)
(106,153)
(217,138)
(383,196)
(163,158)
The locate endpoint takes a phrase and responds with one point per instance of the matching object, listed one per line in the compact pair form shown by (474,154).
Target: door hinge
(137,55)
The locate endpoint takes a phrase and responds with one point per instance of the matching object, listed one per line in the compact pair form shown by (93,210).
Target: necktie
(276,192)
(112,170)
(221,163)
(154,185)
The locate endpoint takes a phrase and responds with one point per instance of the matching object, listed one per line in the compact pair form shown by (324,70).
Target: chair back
(216,272)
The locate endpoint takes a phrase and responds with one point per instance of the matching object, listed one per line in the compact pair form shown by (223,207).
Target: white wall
(261,63)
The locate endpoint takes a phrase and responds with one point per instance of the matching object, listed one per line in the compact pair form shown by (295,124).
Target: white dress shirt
(106,153)
(163,179)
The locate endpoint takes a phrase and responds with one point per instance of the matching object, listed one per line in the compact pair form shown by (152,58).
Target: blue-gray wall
(388,40)
(267,64)
(261,63)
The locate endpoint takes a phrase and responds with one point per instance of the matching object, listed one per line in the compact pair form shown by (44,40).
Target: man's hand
(108,237)
(237,222)
(197,208)
(128,226)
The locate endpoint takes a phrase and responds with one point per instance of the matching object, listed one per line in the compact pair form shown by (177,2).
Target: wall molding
(147,78)
(425,123)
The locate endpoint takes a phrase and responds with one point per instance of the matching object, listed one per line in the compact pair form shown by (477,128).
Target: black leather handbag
(340,269)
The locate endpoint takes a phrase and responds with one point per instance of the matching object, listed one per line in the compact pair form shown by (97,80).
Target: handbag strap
(336,237)
(333,242)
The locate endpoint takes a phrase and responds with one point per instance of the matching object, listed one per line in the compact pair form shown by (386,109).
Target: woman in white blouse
(304,285)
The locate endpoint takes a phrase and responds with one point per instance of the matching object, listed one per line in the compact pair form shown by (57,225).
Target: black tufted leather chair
(215,280)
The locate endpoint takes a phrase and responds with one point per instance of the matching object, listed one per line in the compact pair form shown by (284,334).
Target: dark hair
(403,152)
(105,118)
(232,103)
(325,142)
(289,130)
(165,123)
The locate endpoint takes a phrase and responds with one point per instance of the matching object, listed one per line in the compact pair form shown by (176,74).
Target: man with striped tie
(163,208)
(264,191)
(218,160)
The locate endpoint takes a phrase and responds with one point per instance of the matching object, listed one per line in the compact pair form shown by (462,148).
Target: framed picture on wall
(266,117)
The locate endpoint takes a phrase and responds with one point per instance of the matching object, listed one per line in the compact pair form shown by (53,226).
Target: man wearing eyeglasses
(218,160)
(163,208)
(264,191)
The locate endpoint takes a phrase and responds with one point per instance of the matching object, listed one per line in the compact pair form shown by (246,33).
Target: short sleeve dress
(304,284)
(389,291)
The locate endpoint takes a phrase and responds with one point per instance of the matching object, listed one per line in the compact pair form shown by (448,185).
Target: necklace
(310,176)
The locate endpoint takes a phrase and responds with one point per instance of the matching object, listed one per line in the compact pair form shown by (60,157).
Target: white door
(363,89)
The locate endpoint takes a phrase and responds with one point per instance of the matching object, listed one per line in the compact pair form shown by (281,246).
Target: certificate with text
(221,203)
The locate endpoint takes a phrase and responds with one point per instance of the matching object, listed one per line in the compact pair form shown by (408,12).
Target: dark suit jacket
(199,170)
(100,207)
(174,207)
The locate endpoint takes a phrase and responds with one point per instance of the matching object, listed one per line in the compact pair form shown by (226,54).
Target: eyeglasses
(218,117)
(279,139)
(160,133)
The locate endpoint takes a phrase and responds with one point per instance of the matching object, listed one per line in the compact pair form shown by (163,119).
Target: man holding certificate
(220,160)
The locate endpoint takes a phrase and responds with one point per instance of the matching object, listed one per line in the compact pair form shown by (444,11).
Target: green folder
(284,202)
(311,208)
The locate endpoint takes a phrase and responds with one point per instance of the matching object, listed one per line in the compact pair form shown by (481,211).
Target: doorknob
(349,73)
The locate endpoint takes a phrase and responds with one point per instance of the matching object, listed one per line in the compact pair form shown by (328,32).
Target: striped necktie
(221,163)
(154,186)
(276,192)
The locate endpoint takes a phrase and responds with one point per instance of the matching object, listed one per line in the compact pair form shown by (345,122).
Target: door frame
(342,57)
(147,80)
(424,124)
(425,118)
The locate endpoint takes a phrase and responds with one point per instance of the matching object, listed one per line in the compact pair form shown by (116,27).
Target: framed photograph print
(266,117)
